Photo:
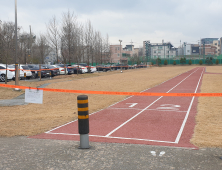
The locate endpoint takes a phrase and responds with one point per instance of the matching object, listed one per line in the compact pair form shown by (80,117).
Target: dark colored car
(70,68)
(102,67)
(120,66)
(77,69)
(52,70)
(35,72)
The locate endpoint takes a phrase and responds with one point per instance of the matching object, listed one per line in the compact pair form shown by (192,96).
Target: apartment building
(208,49)
(216,43)
(120,55)
(159,50)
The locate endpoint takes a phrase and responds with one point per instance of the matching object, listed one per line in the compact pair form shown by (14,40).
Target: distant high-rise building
(208,40)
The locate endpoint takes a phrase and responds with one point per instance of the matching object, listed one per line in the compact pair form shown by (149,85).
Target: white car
(10,73)
(26,70)
(21,74)
(92,68)
(61,69)
(84,69)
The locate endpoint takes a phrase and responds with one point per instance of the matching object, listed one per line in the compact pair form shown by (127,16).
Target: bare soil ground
(209,117)
(60,108)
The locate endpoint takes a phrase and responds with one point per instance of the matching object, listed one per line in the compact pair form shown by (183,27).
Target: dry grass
(214,69)
(209,118)
(59,108)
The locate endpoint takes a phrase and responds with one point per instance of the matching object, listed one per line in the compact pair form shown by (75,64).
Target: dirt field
(209,118)
(59,108)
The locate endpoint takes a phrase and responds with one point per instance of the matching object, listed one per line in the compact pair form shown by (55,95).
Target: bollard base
(84,141)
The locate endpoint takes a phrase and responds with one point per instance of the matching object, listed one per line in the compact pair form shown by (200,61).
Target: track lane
(151,127)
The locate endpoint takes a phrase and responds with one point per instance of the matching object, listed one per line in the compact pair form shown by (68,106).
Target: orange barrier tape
(119,93)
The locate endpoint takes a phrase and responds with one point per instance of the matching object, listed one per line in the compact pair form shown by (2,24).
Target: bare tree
(69,26)
(89,35)
(43,48)
(53,35)
(7,39)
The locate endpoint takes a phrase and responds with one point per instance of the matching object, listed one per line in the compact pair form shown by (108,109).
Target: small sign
(33,96)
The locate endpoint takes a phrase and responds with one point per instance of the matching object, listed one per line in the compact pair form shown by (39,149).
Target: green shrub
(200,62)
(174,62)
(158,61)
(183,60)
(165,62)
(190,62)
(209,60)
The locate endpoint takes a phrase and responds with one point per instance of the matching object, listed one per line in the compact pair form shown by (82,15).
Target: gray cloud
(140,20)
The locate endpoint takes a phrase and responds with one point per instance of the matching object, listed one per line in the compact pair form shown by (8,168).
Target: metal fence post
(83,121)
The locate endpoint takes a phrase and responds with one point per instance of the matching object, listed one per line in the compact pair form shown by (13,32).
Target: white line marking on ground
(145,90)
(132,104)
(161,153)
(113,137)
(146,107)
(188,112)
(153,153)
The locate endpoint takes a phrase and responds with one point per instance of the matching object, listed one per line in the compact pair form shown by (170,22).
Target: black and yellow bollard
(25,76)
(83,121)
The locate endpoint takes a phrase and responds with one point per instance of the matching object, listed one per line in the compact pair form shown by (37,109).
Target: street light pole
(120,51)
(16,42)
(120,54)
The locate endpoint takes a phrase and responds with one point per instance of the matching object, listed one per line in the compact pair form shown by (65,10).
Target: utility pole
(120,53)
(30,43)
(16,42)
(204,50)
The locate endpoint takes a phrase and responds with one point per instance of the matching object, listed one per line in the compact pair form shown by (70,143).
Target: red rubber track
(152,120)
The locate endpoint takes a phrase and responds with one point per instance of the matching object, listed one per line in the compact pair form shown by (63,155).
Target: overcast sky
(128,20)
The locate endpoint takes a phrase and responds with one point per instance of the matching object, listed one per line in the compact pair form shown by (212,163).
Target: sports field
(61,108)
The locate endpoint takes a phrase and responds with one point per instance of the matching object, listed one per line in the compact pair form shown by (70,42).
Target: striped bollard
(83,121)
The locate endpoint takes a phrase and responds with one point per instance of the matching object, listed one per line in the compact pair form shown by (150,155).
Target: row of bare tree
(70,41)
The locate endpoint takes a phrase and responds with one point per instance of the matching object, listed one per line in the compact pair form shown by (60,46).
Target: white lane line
(146,89)
(112,137)
(188,112)
(146,107)
(114,103)
(59,126)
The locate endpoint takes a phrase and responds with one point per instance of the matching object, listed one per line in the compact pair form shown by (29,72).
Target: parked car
(69,68)
(61,69)
(79,69)
(102,67)
(83,69)
(21,73)
(26,70)
(10,73)
(35,72)
(50,70)
(55,68)
(92,68)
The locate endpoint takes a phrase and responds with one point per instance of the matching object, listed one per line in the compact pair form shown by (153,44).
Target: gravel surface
(25,153)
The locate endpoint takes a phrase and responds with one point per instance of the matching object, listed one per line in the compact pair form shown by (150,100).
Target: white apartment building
(160,50)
